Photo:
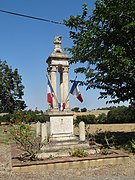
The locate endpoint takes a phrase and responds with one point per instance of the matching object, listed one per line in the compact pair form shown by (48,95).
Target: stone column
(65,86)
(61,85)
(54,85)
(49,72)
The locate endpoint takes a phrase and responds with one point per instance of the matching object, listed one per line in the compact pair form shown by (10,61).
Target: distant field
(92,112)
(95,128)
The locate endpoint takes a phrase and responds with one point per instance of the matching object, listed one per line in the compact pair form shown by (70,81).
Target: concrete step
(64,147)
(48,152)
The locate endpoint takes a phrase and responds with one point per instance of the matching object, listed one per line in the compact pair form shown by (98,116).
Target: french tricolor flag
(75,91)
(61,106)
(50,93)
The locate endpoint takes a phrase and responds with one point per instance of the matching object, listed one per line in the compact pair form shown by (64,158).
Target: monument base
(60,126)
(61,149)
(61,138)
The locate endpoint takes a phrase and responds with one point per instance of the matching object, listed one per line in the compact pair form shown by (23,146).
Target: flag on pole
(50,93)
(61,106)
(75,91)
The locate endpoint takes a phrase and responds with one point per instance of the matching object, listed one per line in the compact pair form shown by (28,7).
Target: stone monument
(60,123)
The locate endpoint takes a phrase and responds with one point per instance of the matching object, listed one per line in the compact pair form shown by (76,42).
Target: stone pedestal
(60,126)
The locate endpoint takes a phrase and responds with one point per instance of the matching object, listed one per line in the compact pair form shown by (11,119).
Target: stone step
(62,138)
(65,151)
(64,142)
(63,147)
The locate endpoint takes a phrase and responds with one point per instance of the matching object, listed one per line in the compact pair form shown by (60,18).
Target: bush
(5,118)
(76,109)
(78,152)
(25,116)
(102,118)
(24,136)
(87,119)
(121,114)
(83,110)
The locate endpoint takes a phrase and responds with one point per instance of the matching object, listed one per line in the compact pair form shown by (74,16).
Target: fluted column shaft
(54,84)
(64,86)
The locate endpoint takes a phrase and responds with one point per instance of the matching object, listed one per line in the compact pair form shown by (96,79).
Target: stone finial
(57,39)
(57,44)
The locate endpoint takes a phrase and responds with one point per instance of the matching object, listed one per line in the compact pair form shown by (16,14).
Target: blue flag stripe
(73,87)
(49,83)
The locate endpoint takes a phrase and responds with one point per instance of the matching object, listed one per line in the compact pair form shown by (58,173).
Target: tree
(104,44)
(121,114)
(84,109)
(75,109)
(11,89)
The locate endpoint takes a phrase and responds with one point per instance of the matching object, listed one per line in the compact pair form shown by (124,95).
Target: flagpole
(69,92)
(53,91)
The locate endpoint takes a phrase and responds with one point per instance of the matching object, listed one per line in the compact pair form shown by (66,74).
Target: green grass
(3,136)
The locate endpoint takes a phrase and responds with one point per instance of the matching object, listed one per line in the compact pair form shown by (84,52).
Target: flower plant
(23,135)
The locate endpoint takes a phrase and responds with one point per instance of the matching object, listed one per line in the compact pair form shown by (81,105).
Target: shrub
(121,114)
(25,116)
(78,152)
(102,118)
(23,135)
(87,119)
(5,118)
(132,142)
(76,109)
(83,110)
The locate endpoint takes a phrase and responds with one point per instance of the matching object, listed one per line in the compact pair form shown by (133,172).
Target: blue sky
(26,44)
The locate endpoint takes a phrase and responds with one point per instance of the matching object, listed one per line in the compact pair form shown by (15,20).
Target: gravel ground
(110,172)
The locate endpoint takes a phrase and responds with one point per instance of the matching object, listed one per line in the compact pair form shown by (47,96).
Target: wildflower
(22,117)
(5,130)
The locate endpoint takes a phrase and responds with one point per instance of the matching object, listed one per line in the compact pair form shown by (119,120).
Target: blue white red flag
(50,93)
(61,106)
(75,91)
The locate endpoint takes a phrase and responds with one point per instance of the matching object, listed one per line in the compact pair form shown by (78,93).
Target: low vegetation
(78,152)
(120,114)
(20,132)
(27,116)
(117,140)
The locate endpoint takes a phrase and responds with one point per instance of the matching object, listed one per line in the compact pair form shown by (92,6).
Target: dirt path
(110,172)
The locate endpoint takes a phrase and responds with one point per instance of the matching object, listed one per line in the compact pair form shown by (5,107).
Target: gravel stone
(106,172)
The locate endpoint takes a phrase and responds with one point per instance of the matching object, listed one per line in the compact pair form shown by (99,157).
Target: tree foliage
(11,89)
(84,109)
(121,114)
(75,109)
(87,119)
(24,116)
(104,44)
